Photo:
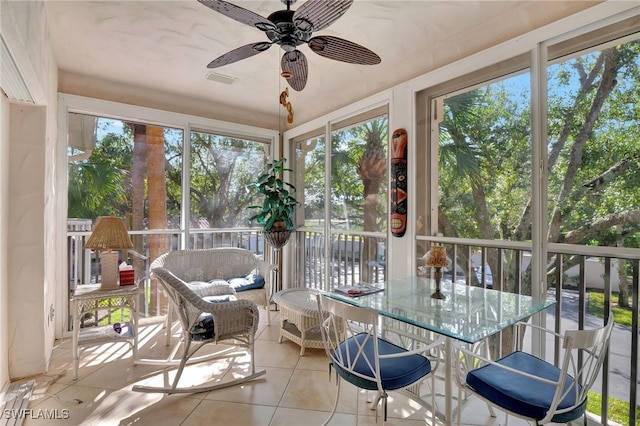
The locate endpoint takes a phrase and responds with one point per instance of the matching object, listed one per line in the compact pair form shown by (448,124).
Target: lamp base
(438,295)
(438,277)
(109,260)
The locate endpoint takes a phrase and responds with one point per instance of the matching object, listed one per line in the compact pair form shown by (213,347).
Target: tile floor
(295,390)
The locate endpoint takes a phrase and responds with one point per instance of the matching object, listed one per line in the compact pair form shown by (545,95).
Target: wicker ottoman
(299,317)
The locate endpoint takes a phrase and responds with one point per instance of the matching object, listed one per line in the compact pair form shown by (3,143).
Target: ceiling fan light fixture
(304,25)
(290,29)
(261,47)
(317,44)
(262,26)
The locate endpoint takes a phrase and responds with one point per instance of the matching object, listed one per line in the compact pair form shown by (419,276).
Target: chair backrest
(341,323)
(584,354)
(207,264)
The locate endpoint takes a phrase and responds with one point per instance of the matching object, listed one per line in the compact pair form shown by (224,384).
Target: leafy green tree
(485,167)
(312,156)
(221,169)
(103,176)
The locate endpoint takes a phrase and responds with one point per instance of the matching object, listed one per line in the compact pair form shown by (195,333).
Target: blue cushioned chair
(362,358)
(527,387)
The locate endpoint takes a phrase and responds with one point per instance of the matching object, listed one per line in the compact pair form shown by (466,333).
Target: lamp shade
(437,257)
(110,233)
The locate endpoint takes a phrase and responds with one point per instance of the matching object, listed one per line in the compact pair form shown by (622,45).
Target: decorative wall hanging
(287,105)
(399,182)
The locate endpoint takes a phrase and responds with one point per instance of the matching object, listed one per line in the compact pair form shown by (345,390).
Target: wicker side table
(90,298)
(299,317)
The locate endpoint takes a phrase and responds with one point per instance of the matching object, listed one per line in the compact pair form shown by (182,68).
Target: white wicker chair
(226,318)
(218,263)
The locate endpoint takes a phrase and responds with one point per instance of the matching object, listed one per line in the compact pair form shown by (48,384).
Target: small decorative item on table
(437,260)
(127,274)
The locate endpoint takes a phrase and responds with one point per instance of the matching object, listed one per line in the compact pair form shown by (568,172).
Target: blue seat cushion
(248,282)
(203,328)
(395,373)
(523,395)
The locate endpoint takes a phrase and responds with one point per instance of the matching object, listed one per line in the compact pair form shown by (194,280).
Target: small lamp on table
(437,260)
(109,234)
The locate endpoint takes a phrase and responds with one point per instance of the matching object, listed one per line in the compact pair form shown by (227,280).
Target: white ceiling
(164,46)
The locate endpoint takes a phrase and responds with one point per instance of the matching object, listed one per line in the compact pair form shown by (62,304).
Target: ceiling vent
(221,78)
(11,80)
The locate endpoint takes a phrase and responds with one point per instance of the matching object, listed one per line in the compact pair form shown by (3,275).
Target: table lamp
(109,234)
(437,260)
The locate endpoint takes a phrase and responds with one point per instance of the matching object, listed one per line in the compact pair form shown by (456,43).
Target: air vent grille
(221,78)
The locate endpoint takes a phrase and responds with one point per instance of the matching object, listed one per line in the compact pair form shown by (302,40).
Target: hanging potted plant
(277,211)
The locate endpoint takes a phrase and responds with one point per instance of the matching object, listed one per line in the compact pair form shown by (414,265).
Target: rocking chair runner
(208,313)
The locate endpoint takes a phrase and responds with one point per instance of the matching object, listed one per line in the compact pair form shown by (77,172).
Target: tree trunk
(157,195)
(138,177)
(607,83)
(372,169)
(623,282)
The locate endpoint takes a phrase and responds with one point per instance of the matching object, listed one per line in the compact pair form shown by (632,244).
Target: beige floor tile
(117,375)
(125,407)
(266,390)
(270,333)
(314,359)
(229,413)
(312,390)
(294,417)
(371,421)
(273,354)
(74,405)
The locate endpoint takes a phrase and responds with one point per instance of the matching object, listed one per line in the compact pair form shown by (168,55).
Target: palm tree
(372,169)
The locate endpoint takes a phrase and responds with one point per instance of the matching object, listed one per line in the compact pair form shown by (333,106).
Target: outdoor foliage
(485,168)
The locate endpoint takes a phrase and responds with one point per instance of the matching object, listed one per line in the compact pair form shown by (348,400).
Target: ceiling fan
(289,29)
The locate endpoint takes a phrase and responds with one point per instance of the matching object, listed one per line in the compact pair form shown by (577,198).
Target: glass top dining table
(466,314)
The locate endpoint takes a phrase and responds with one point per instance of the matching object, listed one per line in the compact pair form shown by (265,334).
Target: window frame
(84,105)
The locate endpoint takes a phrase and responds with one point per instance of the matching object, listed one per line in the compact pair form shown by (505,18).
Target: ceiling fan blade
(343,50)
(315,15)
(239,14)
(240,53)
(295,63)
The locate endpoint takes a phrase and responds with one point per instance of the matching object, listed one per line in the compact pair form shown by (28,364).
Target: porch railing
(574,275)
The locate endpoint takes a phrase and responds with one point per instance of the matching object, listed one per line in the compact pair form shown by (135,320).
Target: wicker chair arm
(265,269)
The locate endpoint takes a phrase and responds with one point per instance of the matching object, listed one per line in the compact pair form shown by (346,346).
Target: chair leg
(252,345)
(335,403)
(433,400)
(384,408)
(183,363)
(168,323)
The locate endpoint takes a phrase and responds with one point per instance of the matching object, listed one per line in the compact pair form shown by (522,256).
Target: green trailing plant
(279,204)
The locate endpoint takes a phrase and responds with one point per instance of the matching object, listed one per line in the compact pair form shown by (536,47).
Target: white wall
(25,258)
(27,218)
(4,220)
